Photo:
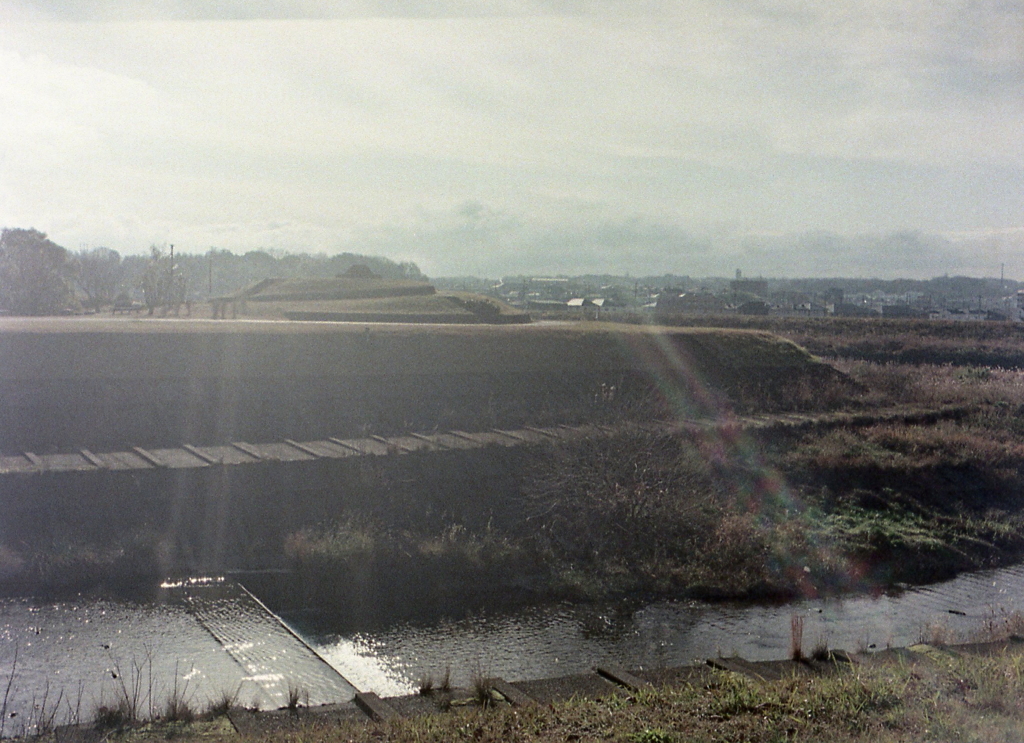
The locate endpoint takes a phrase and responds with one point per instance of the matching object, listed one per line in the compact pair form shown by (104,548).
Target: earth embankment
(72,383)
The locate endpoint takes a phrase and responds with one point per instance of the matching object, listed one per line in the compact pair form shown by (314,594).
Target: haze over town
(496,138)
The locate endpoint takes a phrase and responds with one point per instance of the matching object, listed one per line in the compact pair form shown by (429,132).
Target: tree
(36,275)
(156,281)
(164,284)
(100,274)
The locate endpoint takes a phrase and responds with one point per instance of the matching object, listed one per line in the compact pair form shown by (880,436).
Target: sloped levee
(236,513)
(72,383)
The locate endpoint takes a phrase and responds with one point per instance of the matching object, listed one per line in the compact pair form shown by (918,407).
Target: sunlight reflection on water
(559,640)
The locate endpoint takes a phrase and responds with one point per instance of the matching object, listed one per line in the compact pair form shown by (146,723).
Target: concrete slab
(551,690)
(758,671)
(553,432)
(512,693)
(92,458)
(65,463)
(149,456)
(524,436)
(375,707)
(696,675)
(451,441)
(196,452)
(366,446)
(329,449)
(410,443)
(303,447)
(487,438)
(774,670)
(280,452)
(124,460)
(179,458)
(621,676)
(16,464)
(414,705)
(226,454)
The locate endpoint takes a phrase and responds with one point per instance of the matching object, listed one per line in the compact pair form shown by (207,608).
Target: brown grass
(947,698)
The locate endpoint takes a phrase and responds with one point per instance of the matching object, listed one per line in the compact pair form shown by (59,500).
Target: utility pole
(170,281)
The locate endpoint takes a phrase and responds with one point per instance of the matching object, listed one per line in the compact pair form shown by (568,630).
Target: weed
(298,696)
(222,704)
(426,685)
(446,680)
(820,651)
(135,687)
(178,707)
(481,686)
(652,735)
(938,633)
(44,713)
(112,718)
(1003,625)
(7,691)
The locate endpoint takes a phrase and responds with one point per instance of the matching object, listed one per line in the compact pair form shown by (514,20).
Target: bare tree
(100,273)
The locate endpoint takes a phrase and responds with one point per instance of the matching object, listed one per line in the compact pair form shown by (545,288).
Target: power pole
(170,281)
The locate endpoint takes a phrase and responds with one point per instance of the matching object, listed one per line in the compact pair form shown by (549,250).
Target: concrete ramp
(277,664)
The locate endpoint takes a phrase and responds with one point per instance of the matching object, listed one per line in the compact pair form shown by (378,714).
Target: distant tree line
(39,277)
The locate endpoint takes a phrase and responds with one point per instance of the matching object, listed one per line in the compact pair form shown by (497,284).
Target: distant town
(39,277)
(944,298)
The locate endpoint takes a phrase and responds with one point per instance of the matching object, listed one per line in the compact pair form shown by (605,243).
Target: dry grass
(948,698)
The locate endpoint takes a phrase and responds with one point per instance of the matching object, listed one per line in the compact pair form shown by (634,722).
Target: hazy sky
(783,137)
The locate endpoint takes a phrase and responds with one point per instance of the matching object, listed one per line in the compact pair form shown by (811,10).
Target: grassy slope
(942,697)
(994,344)
(714,512)
(141,348)
(792,511)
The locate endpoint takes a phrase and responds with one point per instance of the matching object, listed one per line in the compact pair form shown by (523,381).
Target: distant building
(754,307)
(899,310)
(690,303)
(848,309)
(833,295)
(757,287)
(960,315)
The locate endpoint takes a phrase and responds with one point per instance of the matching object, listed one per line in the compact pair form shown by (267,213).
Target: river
(208,638)
(563,639)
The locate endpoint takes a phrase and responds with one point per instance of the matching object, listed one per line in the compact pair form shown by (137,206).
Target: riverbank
(928,692)
(994,344)
(722,511)
(714,508)
(759,507)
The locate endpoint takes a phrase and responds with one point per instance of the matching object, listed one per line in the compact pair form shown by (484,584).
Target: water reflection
(213,639)
(563,639)
(66,659)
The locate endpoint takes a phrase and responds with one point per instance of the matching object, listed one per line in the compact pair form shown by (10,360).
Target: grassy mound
(432,308)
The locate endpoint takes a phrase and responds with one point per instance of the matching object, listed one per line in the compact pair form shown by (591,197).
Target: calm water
(201,640)
(211,638)
(558,640)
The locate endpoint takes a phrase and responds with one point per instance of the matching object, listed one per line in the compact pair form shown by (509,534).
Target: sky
(871,138)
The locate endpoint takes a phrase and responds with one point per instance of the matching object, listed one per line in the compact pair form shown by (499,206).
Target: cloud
(474,239)
(609,131)
(245,10)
